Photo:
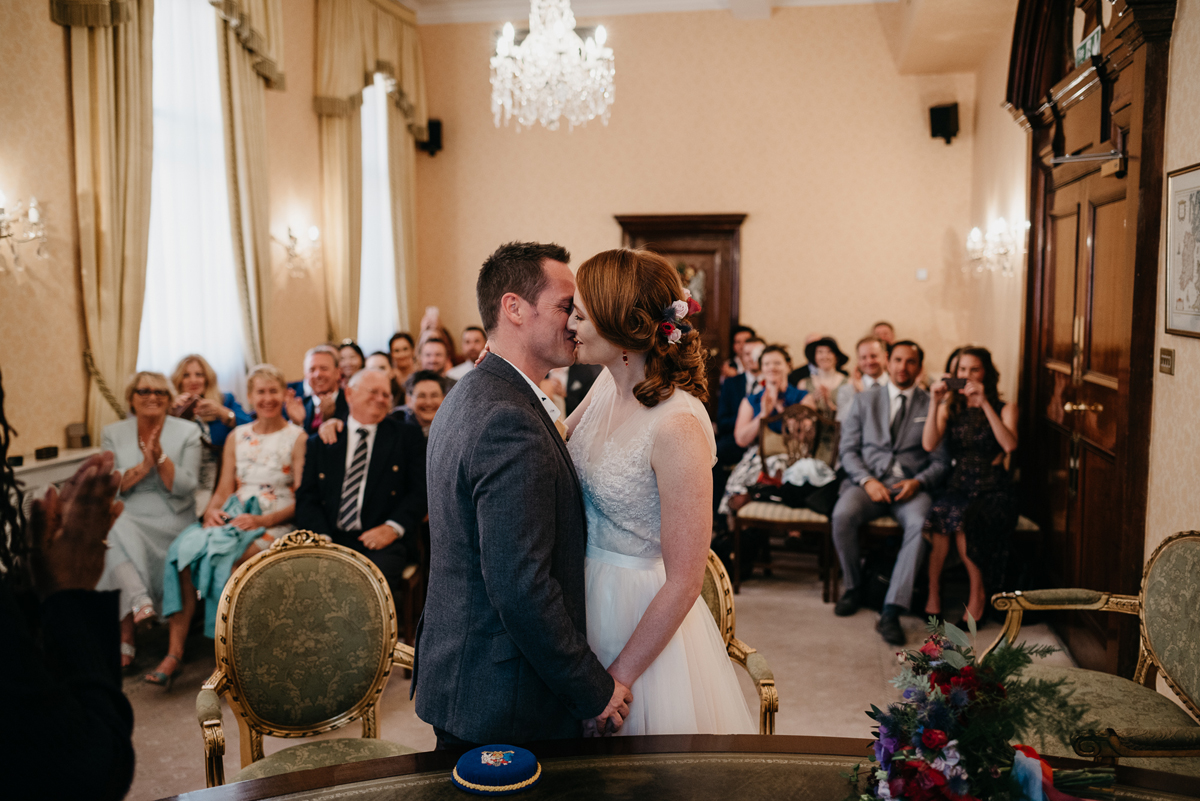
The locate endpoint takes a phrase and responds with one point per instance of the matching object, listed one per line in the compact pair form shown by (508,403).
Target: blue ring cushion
(496,770)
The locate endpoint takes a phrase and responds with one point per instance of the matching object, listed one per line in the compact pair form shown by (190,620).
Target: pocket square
(918,419)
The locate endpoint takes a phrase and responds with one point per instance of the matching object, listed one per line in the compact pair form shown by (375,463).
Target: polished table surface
(699,767)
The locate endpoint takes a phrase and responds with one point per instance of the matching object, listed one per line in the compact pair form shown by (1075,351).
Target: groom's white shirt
(547,404)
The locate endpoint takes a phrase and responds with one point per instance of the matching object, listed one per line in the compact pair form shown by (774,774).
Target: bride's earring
(625,358)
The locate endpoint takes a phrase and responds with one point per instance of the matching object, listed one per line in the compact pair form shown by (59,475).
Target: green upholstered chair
(1140,726)
(717,593)
(305,643)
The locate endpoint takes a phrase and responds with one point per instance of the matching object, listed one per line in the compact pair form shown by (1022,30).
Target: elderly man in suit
(366,490)
(326,402)
(502,651)
(888,472)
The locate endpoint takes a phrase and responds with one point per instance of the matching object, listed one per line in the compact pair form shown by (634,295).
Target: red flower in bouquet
(934,739)
(932,648)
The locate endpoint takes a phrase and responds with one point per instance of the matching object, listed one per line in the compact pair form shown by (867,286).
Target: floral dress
(264,470)
(978,498)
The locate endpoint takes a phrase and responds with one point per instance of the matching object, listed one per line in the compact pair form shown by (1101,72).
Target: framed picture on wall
(1183,252)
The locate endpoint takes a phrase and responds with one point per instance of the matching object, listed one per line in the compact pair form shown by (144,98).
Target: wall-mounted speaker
(434,143)
(943,122)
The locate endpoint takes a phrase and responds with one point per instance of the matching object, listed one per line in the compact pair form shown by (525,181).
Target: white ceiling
(435,12)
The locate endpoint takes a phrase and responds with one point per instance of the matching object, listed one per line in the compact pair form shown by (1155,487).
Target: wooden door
(706,250)
(1091,296)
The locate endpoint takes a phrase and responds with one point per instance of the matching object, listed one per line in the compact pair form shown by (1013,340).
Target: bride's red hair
(625,292)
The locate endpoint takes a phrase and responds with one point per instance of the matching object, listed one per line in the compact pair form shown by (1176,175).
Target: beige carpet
(828,671)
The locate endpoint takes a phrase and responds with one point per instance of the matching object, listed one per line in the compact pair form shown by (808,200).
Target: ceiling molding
(441,12)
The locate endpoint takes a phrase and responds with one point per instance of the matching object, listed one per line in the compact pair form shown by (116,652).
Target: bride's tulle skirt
(691,688)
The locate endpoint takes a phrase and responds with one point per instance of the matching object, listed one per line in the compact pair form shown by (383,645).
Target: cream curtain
(111,47)
(355,39)
(250,58)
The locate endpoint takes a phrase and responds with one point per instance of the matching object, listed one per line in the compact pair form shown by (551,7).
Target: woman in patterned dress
(251,507)
(977,507)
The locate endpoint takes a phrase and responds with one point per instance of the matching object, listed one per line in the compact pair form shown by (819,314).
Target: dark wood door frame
(1043,84)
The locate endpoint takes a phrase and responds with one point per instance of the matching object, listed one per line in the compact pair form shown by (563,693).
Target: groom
(502,652)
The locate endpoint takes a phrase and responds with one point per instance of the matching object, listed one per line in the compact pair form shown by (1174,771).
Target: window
(191,303)
(378,317)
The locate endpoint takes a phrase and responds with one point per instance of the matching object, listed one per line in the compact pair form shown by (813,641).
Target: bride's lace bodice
(612,458)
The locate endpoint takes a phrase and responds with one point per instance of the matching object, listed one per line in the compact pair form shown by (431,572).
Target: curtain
(356,39)
(190,276)
(377,308)
(110,51)
(250,58)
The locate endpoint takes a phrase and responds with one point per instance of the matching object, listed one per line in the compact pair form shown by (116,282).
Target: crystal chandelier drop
(552,73)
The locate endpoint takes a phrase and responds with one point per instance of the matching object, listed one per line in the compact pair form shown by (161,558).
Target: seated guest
(425,391)
(326,401)
(737,340)
(825,374)
(775,395)
(884,331)
(403,352)
(730,401)
(433,355)
(431,327)
(160,459)
(350,360)
(798,375)
(199,399)
(870,370)
(887,472)
(366,490)
(977,507)
(379,361)
(70,726)
(251,508)
(473,342)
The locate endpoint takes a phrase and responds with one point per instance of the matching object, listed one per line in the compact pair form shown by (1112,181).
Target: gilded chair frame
(224,680)
(1109,744)
(751,661)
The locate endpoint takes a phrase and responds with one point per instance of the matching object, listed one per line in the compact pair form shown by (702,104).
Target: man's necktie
(348,511)
(898,421)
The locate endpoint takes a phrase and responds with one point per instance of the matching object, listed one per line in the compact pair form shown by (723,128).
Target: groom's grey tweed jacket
(502,653)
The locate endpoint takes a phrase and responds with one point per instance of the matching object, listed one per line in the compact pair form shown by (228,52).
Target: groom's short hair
(514,267)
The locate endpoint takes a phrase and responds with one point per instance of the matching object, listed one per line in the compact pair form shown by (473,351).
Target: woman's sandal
(128,650)
(164,680)
(143,613)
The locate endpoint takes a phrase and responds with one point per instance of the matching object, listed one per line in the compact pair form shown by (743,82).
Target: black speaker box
(943,122)
(434,143)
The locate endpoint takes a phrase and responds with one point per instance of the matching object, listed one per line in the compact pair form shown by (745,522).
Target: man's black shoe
(890,629)
(848,605)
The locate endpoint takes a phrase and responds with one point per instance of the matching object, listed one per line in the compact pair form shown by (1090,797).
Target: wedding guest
(798,375)
(60,667)
(883,330)
(433,355)
(871,369)
(425,391)
(473,341)
(977,507)
(737,340)
(432,328)
(251,508)
(350,360)
(730,401)
(379,361)
(326,401)
(159,457)
(887,472)
(403,351)
(199,399)
(825,374)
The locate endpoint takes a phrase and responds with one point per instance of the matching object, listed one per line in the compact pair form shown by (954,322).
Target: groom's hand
(613,716)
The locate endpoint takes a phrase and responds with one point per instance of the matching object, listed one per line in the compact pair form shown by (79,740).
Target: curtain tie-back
(90,362)
(90,13)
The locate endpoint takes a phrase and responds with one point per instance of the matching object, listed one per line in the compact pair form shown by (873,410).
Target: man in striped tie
(366,490)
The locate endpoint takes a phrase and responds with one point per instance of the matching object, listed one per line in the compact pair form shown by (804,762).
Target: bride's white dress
(691,687)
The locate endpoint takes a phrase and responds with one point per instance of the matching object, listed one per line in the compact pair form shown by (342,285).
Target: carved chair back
(1170,614)
(804,433)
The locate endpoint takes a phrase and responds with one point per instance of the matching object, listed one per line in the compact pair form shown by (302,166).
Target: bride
(644,449)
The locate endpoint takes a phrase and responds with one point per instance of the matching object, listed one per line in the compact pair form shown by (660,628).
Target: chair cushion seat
(1117,703)
(779,513)
(319,754)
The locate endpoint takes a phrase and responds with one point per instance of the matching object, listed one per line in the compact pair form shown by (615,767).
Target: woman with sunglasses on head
(159,459)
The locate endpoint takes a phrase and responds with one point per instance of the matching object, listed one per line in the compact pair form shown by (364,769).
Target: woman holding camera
(199,399)
(977,507)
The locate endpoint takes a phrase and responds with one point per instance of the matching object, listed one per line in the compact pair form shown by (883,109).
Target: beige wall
(1174,504)
(41,327)
(41,331)
(999,188)
(801,121)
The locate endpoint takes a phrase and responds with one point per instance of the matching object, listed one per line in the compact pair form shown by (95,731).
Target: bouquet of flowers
(949,736)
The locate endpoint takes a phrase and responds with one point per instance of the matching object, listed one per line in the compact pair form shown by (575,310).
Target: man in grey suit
(502,652)
(888,472)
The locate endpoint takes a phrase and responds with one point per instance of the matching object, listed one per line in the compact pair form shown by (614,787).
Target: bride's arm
(682,460)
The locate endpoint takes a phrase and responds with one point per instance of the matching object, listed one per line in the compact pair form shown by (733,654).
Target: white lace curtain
(378,316)
(191,302)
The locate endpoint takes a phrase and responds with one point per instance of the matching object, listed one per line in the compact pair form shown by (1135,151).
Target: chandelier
(552,73)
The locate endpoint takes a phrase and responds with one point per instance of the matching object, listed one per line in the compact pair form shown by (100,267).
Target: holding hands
(613,717)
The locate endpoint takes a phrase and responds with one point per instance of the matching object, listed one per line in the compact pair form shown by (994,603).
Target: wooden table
(699,768)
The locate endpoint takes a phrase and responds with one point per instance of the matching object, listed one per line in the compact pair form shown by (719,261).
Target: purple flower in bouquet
(914,694)
(885,747)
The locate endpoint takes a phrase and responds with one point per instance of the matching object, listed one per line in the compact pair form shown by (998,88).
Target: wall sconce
(20,224)
(994,251)
(302,256)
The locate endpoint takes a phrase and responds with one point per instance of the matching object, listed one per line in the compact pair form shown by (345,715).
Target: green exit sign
(1090,46)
